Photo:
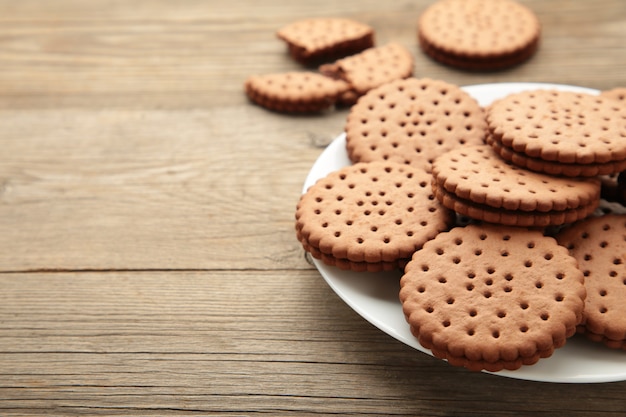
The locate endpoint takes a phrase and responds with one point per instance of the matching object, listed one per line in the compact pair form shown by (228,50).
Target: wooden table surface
(148,260)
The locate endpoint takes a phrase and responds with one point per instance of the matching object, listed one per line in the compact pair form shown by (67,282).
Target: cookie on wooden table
(479,34)
(492,297)
(369,216)
(370,69)
(413,121)
(599,245)
(560,132)
(294,92)
(476,182)
(316,40)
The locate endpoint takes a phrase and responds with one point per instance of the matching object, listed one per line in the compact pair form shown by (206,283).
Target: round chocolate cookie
(479,34)
(599,245)
(561,127)
(492,297)
(294,92)
(369,216)
(413,121)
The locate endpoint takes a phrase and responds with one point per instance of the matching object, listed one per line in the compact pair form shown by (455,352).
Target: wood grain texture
(148,262)
(122,343)
(119,189)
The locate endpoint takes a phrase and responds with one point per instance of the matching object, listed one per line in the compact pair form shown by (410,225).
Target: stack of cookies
(490,212)
(475,182)
(560,132)
(479,35)
(541,165)
(531,266)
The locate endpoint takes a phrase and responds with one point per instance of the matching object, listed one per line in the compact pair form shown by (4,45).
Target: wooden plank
(116,189)
(194,342)
(148,262)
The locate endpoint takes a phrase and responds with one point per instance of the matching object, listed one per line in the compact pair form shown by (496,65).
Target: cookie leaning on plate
(413,121)
(370,69)
(492,297)
(316,40)
(479,34)
(599,245)
(476,182)
(575,134)
(369,216)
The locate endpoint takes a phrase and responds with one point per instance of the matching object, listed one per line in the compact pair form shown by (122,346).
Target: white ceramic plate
(375,295)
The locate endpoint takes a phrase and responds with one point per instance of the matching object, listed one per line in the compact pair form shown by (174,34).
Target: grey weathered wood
(148,262)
